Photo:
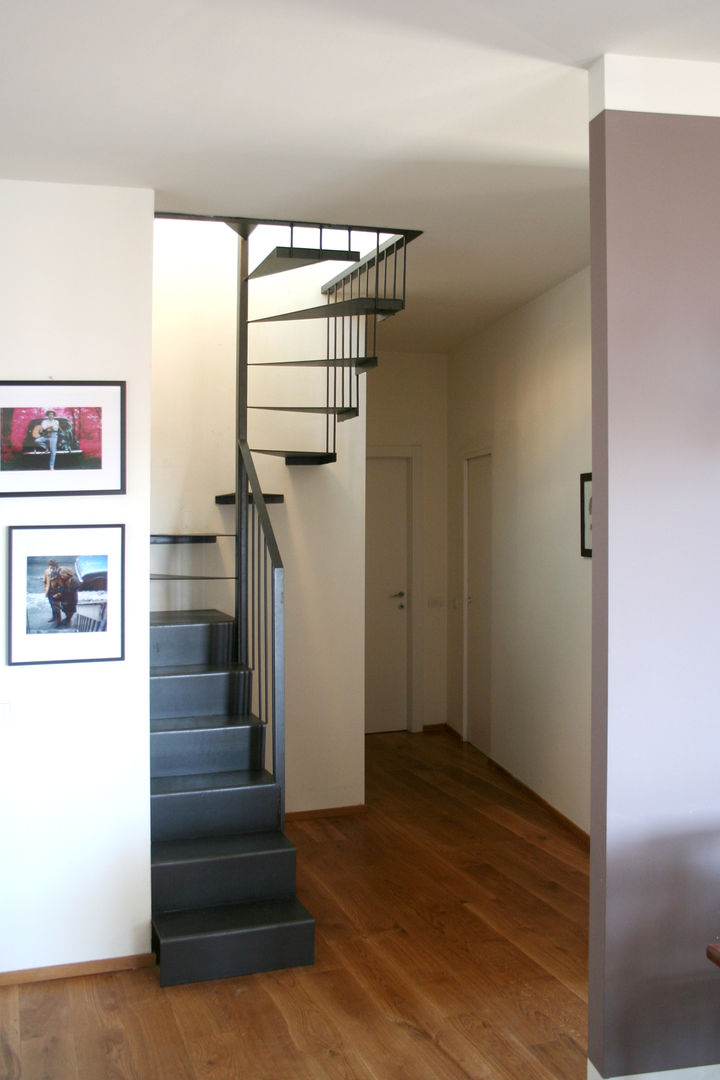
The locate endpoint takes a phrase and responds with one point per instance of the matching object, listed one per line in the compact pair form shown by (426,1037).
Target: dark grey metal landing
(223,873)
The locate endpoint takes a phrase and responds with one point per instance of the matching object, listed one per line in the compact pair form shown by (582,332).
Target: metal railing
(261,633)
(379,276)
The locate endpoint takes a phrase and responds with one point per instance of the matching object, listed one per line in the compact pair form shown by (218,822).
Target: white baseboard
(702,1072)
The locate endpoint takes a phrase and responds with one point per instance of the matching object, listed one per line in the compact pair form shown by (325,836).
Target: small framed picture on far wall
(586,514)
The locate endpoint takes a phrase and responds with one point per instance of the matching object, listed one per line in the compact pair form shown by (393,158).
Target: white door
(386,588)
(478,620)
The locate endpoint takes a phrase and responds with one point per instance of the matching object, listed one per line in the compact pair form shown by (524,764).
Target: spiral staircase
(223,872)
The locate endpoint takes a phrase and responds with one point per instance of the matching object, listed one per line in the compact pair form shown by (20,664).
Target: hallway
(451,945)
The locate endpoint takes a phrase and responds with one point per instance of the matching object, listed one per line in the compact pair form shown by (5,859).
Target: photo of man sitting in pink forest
(49,438)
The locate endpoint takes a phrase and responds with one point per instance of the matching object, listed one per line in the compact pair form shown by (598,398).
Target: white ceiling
(466,119)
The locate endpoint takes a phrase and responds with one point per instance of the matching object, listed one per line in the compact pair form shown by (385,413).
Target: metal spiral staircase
(223,873)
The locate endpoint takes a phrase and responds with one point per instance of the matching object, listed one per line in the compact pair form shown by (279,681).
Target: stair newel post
(241,480)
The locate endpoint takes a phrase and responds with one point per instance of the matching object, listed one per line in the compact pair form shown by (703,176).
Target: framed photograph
(66,593)
(62,438)
(586,514)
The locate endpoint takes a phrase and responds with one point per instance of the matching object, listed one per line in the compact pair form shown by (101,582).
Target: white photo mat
(109,479)
(32,638)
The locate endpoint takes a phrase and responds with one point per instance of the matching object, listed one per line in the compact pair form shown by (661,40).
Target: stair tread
(211,781)
(336,361)
(255,914)
(291,258)
(195,669)
(218,847)
(358,305)
(161,724)
(301,457)
(183,538)
(199,617)
(228,498)
(319,410)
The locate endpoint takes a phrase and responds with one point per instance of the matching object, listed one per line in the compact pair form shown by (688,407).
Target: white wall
(193,414)
(407,407)
(320,527)
(75,280)
(522,390)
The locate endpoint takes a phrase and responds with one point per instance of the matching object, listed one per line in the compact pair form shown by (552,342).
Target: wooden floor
(451,943)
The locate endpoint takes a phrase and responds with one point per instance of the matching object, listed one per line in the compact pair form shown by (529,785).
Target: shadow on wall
(662,993)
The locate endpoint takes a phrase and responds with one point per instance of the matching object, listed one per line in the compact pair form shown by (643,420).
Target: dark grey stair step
(360,363)
(199,690)
(301,457)
(190,637)
(238,939)
(215,870)
(192,577)
(213,804)
(203,744)
(184,538)
(291,258)
(228,499)
(343,412)
(359,305)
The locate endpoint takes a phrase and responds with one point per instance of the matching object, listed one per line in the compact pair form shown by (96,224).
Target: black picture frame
(62,438)
(66,593)
(586,514)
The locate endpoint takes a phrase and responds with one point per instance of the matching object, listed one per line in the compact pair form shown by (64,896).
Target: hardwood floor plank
(47,1044)
(10,1032)
(102,1047)
(264,1047)
(564,1058)
(154,1037)
(383,1027)
(316,1032)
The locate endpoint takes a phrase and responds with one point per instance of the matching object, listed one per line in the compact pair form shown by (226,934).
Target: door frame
(468,456)
(413,455)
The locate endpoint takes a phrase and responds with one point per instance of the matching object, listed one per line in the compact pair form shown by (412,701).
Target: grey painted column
(655,855)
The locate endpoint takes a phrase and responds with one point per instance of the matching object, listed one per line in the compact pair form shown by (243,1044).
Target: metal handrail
(264,634)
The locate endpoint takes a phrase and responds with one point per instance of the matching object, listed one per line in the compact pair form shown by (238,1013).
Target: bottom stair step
(240,939)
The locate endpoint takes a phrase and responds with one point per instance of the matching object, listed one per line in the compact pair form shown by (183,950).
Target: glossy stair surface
(223,873)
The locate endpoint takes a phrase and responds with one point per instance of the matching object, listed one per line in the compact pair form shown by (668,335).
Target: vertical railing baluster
(265,628)
(278,731)
(253,640)
(258,619)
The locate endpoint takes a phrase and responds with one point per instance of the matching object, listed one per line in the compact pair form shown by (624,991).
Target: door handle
(393,596)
